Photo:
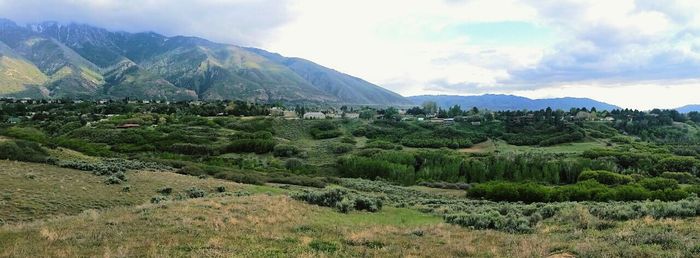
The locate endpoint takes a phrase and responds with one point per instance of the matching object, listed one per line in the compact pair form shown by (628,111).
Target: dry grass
(36,191)
(277,226)
(265,225)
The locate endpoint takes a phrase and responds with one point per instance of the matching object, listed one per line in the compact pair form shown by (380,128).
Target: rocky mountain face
(52,60)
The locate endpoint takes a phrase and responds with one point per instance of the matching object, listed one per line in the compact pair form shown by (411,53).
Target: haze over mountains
(510,102)
(80,61)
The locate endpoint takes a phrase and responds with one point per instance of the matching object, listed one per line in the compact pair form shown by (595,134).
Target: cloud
(619,42)
(245,22)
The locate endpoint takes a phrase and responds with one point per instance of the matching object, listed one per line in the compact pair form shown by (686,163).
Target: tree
(455,110)
(391,113)
(430,107)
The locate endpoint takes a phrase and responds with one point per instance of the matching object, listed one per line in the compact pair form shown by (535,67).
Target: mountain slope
(89,62)
(510,102)
(346,87)
(689,108)
(19,77)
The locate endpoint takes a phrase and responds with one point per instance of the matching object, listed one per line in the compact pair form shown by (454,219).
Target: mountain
(688,108)
(53,60)
(510,102)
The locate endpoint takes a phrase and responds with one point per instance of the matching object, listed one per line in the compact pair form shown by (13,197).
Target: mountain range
(498,102)
(689,108)
(53,60)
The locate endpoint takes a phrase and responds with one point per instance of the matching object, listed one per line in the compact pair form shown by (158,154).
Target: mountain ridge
(511,102)
(83,61)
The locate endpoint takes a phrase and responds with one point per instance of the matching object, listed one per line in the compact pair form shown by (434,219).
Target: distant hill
(688,108)
(52,60)
(511,102)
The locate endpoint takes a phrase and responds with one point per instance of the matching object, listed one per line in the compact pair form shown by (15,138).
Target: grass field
(36,191)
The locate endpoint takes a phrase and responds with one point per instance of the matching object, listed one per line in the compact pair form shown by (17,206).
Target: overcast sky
(632,53)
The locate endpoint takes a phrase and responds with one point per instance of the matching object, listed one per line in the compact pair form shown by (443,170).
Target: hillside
(689,108)
(83,61)
(511,102)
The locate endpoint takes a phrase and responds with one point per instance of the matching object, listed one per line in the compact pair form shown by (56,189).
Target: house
(127,126)
(609,119)
(314,115)
(476,123)
(449,120)
(421,118)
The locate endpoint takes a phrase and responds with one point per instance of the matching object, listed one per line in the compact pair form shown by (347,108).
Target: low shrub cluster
(445,185)
(285,150)
(341,199)
(590,190)
(22,151)
(605,177)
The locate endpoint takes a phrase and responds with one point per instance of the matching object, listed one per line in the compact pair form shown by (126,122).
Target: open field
(36,191)
(277,226)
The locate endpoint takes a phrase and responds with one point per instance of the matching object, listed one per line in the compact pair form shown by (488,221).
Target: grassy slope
(36,191)
(16,74)
(265,225)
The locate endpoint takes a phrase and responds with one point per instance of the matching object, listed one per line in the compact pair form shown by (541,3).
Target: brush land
(182,179)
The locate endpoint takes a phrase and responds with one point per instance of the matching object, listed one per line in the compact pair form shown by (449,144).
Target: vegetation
(525,175)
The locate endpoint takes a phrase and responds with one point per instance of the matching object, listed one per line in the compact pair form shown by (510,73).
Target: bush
(679,164)
(340,148)
(220,189)
(165,190)
(113,180)
(323,246)
(191,149)
(22,151)
(258,146)
(195,193)
(348,140)
(26,133)
(378,144)
(285,150)
(158,199)
(293,164)
(340,199)
(681,177)
(605,177)
(658,183)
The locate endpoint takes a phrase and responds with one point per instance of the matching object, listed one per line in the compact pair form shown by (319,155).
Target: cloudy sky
(632,53)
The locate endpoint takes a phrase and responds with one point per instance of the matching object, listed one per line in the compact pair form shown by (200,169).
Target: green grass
(36,191)
(503,147)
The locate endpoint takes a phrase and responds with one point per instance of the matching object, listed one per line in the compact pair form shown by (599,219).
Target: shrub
(340,148)
(658,183)
(679,164)
(340,199)
(26,133)
(379,144)
(195,193)
(681,177)
(158,199)
(191,149)
(22,151)
(323,246)
(113,180)
(293,164)
(220,189)
(348,140)
(285,150)
(165,190)
(258,146)
(605,177)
